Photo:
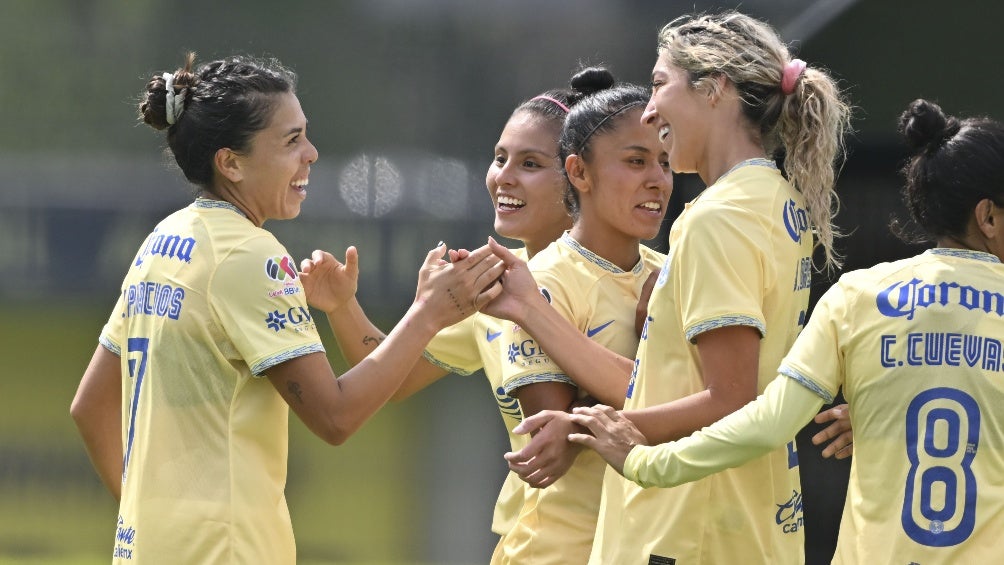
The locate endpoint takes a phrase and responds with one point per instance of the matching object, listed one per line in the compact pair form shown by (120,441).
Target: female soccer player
(526,187)
(618,190)
(173,409)
(595,272)
(730,299)
(916,346)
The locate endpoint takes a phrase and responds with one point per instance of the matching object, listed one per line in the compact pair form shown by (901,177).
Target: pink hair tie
(548,98)
(790,74)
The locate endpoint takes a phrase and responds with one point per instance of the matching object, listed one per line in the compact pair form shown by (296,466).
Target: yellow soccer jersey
(916,345)
(210,303)
(740,254)
(465,347)
(557,524)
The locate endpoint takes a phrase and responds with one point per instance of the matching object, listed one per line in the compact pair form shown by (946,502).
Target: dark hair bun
(592,79)
(925,126)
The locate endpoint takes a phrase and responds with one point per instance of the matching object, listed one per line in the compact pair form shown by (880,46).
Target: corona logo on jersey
(296,318)
(280,268)
(167,245)
(796,220)
(904,298)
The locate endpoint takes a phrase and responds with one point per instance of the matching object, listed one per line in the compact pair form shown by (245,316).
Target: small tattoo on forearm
(374,341)
(296,390)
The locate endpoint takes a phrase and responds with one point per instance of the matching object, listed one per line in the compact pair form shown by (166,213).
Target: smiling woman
(173,408)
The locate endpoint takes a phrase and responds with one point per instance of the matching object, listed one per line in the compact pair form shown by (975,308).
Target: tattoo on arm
(296,390)
(374,341)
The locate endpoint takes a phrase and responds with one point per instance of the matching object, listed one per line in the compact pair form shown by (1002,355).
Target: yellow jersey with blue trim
(464,348)
(210,304)
(916,346)
(740,254)
(557,524)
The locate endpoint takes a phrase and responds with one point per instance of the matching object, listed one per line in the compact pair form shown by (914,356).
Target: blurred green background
(405,100)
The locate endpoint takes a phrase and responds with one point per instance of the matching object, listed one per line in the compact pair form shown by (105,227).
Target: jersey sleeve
(723,272)
(816,359)
(758,428)
(455,348)
(258,298)
(112,334)
(525,362)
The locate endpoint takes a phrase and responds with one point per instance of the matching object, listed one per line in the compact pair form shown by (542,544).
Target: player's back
(924,379)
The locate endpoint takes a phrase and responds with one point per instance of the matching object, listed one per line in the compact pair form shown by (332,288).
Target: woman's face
(678,113)
(626,182)
(274,171)
(526,184)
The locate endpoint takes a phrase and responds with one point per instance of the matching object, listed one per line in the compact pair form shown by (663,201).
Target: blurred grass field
(348,505)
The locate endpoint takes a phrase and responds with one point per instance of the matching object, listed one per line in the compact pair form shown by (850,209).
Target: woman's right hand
(449,292)
(519,290)
(328,283)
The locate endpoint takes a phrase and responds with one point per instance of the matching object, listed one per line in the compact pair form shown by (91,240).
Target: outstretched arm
(97,411)
(334,408)
(729,361)
(331,287)
(760,427)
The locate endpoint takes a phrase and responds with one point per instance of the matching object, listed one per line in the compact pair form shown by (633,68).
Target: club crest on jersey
(280,268)
(167,245)
(664,271)
(796,220)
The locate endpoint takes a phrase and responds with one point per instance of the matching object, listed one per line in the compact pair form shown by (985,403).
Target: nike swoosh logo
(590,332)
(492,335)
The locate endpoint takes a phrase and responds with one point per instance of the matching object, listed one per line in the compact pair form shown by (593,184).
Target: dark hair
(598,112)
(584,83)
(955,164)
(225,103)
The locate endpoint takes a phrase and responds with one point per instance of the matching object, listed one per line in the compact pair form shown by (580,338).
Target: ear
(718,88)
(228,164)
(575,167)
(985,214)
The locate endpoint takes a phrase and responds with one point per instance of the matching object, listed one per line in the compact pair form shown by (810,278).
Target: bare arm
(333,291)
(729,360)
(334,408)
(97,411)
(602,373)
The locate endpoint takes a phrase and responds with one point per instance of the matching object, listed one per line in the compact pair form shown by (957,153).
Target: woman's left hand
(613,435)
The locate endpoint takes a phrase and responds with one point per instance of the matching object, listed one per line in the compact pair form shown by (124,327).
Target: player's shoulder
(652,259)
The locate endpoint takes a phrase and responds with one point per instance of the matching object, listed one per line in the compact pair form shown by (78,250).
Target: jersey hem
(726,321)
(806,381)
(536,378)
(259,368)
